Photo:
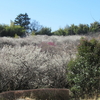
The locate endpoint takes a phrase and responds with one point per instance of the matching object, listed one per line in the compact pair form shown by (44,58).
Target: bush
(37,94)
(27,67)
(84,71)
(44,31)
(11,31)
(60,32)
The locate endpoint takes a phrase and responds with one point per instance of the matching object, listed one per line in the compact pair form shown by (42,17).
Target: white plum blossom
(30,62)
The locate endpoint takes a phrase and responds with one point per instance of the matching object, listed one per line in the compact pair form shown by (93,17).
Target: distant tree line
(23,24)
(11,30)
(20,26)
(80,29)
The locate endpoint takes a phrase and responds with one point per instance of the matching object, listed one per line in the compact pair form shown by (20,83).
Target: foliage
(16,36)
(11,30)
(94,27)
(59,32)
(81,29)
(23,20)
(2,29)
(84,71)
(44,31)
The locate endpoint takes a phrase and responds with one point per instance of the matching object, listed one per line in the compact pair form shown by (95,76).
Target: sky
(54,14)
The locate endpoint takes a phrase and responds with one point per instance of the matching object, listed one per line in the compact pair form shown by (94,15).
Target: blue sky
(52,13)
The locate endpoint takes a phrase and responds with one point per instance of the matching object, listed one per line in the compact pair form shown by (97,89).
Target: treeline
(12,30)
(23,24)
(80,29)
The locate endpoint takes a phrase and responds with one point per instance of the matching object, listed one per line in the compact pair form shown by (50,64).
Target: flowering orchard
(35,62)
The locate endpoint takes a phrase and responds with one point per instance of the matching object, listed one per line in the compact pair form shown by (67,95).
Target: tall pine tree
(23,20)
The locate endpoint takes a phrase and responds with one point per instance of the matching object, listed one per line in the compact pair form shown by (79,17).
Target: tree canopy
(11,30)
(23,20)
(44,31)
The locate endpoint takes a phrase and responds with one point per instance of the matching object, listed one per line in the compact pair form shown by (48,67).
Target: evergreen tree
(23,20)
(94,27)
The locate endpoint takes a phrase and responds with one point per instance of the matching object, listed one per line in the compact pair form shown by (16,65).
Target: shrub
(16,36)
(84,71)
(27,67)
(38,94)
(44,31)
(11,31)
(51,43)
